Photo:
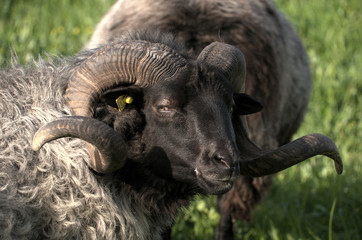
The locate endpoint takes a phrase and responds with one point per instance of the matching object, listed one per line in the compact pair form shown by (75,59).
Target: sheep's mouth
(214,184)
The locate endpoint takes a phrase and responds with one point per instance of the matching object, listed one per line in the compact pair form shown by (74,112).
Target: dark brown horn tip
(331,150)
(338,164)
(44,135)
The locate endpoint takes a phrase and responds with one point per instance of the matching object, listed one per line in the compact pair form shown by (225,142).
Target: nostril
(227,161)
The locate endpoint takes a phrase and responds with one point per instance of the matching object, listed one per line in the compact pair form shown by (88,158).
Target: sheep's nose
(225,159)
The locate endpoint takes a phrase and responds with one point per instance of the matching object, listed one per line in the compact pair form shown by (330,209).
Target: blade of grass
(331,219)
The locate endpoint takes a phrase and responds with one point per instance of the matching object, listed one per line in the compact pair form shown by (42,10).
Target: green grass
(308,201)
(58,27)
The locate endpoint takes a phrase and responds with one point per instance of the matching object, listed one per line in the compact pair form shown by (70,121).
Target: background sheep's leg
(224,229)
(166,235)
(239,203)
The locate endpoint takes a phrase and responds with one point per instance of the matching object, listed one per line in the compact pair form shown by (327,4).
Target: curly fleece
(52,194)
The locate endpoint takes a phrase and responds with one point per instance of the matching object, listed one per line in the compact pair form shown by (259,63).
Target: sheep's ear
(244,104)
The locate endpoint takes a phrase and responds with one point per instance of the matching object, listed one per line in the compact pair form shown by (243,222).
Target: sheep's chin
(213,186)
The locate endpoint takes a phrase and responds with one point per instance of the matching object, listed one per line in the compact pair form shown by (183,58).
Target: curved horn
(107,143)
(291,154)
(229,60)
(257,163)
(138,63)
(125,63)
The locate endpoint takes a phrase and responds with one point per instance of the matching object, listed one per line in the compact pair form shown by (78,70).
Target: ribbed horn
(107,144)
(257,163)
(123,63)
(229,60)
(293,153)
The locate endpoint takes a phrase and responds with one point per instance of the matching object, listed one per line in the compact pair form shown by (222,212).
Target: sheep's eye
(165,109)
(231,110)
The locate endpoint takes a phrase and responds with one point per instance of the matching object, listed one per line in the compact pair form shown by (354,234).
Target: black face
(189,133)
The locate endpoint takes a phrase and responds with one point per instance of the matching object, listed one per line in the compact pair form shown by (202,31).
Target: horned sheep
(277,69)
(140,126)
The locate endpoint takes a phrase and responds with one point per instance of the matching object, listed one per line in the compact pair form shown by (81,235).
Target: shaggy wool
(52,194)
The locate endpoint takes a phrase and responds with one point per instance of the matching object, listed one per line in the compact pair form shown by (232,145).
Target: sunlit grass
(300,204)
(58,27)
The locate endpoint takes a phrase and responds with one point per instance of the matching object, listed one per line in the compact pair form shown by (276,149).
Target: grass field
(308,201)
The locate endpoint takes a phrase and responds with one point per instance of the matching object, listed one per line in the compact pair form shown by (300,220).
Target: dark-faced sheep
(122,169)
(277,69)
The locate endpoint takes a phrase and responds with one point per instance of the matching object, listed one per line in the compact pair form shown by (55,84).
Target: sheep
(277,69)
(111,143)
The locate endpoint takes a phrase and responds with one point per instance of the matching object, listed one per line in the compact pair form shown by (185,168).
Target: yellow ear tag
(122,101)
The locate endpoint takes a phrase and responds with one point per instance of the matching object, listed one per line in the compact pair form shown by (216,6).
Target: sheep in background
(127,170)
(277,69)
